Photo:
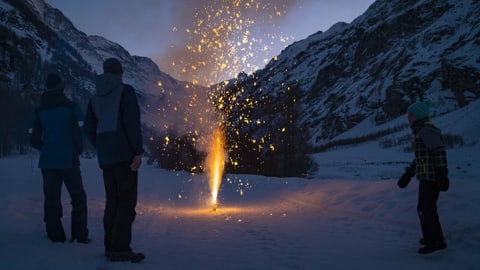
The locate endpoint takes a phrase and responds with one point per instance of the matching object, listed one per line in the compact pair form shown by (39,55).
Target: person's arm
(78,134)
(36,133)
(432,138)
(90,125)
(136,162)
(132,124)
(131,118)
(407,175)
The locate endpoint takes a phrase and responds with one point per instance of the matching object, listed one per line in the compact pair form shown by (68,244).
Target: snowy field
(350,216)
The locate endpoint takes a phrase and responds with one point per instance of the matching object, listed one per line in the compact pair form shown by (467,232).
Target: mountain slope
(38,39)
(361,74)
(397,52)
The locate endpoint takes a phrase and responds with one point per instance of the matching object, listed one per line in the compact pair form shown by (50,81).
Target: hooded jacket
(430,154)
(56,131)
(112,121)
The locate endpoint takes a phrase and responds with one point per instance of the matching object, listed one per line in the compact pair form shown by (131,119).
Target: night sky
(184,38)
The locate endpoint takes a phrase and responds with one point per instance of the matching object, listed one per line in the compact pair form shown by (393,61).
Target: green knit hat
(420,109)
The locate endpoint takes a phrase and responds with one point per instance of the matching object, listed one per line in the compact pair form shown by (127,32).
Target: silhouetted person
(113,127)
(430,168)
(56,133)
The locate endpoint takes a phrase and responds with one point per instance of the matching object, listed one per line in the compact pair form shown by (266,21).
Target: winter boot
(432,246)
(130,256)
(81,241)
(422,242)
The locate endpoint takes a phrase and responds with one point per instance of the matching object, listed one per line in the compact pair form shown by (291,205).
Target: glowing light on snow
(222,38)
(216,164)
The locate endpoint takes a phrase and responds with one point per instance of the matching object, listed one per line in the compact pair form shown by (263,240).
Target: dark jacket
(112,121)
(429,149)
(56,131)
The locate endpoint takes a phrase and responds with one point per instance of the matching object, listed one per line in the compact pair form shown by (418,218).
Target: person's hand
(405,178)
(443,183)
(136,162)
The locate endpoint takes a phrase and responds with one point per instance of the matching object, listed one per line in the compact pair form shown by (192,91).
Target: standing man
(113,126)
(430,168)
(56,133)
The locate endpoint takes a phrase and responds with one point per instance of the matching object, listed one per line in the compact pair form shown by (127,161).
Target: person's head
(419,110)
(55,83)
(112,66)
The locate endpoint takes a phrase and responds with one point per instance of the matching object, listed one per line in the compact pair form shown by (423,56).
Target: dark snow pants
(121,192)
(427,212)
(53,211)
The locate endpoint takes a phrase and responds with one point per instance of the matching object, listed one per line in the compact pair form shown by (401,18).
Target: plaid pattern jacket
(429,149)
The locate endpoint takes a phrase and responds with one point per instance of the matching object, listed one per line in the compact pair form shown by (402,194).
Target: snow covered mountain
(37,15)
(394,54)
(312,94)
(38,39)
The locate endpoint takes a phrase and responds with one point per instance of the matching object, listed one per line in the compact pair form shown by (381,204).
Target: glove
(406,177)
(443,183)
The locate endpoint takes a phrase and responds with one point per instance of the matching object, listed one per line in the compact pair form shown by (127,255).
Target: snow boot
(130,256)
(81,241)
(432,246)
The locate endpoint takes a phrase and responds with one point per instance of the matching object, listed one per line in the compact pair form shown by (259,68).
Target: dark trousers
(427,212)
(53,212)
(121,192)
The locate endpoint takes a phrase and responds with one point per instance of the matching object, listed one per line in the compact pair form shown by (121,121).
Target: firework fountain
(222,40)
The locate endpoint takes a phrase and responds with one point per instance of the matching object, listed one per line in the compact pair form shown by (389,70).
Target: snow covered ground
(348,215)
